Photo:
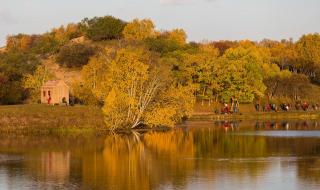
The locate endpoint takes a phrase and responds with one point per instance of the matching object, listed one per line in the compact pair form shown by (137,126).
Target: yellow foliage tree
(93,89)
(33,82)
(139,91)
(139,30)
(177,35)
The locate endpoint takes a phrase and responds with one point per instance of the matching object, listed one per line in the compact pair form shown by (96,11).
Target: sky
(203,20)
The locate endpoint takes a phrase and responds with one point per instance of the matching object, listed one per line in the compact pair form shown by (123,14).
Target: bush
(162,45)
(75,55)
(13,66)
(103,28)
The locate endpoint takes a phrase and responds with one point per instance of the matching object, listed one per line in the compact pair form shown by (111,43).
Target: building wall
(57,93)
(44,99)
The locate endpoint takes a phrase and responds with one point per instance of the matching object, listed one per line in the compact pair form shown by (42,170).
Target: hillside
(269,70)
(61,73)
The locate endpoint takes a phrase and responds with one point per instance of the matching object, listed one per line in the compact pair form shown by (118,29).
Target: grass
(61,119)
(44,119)
(248,112)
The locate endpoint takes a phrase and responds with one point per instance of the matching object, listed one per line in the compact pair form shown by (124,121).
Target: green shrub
(103,28)
(75,55)
(162,45)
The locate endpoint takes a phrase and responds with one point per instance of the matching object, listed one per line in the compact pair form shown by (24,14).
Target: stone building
(55,92)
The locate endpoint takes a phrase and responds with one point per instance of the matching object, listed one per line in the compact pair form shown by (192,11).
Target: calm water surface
(197,155)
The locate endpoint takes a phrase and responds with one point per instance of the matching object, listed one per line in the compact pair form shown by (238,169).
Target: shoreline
(298,115)
(43,119)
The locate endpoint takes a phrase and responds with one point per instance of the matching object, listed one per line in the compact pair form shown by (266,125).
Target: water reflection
(194,156)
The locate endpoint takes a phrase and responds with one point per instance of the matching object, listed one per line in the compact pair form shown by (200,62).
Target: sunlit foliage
(14,66)
(140,90)
(143,76)
(139,30)
(33,82)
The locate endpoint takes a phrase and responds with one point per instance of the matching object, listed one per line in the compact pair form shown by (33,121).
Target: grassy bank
(85,119)
(60,119)
(45,119)
(260,116)
(248,112)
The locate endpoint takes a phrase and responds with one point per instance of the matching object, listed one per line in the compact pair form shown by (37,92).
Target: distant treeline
(120,58)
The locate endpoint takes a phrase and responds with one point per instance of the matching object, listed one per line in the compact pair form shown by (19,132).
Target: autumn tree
(198,68)
(65,33)
(136,89)
(33,82)
(21,42)
(92,90)
(282,53)
(308,48)
(162,45)
(139,30)
(177,35)
(242,75)
(224,45)
(13,66)
(274,77)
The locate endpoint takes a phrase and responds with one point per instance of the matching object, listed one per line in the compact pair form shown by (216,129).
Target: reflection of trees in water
(297,146)
(170,158)
(287,125)
(308,170)
(306,151)
(154,159)
(121,164)
(130,161)
(50,166)
(237,153)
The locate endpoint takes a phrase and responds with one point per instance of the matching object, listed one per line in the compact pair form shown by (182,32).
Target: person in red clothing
(305,106)
(49,100)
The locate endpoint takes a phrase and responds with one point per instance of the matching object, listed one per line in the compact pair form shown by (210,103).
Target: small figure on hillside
(274,107)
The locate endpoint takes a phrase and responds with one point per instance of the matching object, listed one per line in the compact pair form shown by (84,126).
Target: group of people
(233,107)
(305,106)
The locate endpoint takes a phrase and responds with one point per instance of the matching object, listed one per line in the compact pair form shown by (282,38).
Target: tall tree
(308,48)
(139,30)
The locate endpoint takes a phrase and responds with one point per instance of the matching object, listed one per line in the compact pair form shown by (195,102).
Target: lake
(196,155)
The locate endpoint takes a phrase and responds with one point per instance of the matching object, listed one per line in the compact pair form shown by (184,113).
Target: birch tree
(141,90)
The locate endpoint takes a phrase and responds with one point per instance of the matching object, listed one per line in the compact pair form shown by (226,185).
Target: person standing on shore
(235,105)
